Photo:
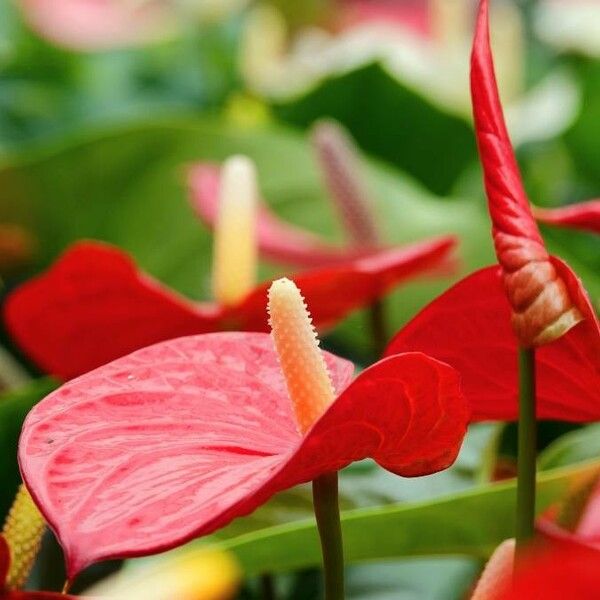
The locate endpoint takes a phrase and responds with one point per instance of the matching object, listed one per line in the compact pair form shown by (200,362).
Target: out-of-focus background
(103,105)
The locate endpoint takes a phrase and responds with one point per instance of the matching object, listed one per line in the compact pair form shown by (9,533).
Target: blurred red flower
(584,216)
(95,305)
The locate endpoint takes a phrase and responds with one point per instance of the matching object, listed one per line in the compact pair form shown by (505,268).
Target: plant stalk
(327,513)
(267,586)
(378,324)
(527,449)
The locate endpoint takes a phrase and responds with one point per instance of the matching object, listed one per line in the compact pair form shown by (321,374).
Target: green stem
(267,586)
(327,513)
(378,322)
(527,448)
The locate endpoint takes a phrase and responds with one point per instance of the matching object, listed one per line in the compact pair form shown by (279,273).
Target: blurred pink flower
(99,24)
(410,14)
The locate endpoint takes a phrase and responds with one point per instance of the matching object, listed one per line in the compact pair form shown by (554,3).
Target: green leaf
(14,407)
(391,121)
(582,444)
(412,579)
(470,523)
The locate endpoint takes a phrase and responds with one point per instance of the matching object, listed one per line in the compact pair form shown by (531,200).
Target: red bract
(277,240)
(470,325)
(561,572)
(176,440)
(584,216)
(94,305)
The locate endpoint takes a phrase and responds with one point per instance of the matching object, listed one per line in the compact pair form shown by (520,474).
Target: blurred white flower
(570,25)
(427,49)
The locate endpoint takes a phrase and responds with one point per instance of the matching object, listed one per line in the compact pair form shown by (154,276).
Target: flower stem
(378,322)
(527,448)
(327,513)
(267,586)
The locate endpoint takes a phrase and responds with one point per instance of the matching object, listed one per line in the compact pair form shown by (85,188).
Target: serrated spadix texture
(340,166)
(302,362)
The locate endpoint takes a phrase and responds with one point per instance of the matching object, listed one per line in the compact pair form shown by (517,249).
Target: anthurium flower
(277,240)
(175,440)
(584,216)
(95,305)
(285,243)
(472,326)
(554,572)
(338,160)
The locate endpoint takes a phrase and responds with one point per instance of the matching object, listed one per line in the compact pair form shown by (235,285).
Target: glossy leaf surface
(176,440)
(469,328)
(95,305)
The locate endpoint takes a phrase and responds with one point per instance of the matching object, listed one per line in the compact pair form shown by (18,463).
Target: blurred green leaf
(391,121)
(582,444)
(14,407)
(416,579)
(582,138)
(470,523)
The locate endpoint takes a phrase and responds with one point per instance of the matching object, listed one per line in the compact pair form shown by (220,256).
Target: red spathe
(174,441)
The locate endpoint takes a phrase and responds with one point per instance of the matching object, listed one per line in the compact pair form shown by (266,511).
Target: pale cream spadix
(302,362)
(235,249)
